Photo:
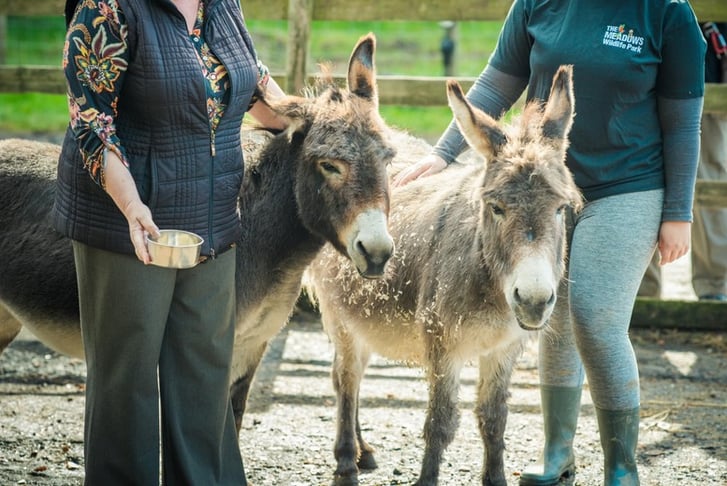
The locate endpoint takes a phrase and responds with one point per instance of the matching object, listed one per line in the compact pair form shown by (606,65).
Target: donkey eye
(329,167)
(496,209)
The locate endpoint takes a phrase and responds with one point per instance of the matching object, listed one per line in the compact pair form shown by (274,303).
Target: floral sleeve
(95,58)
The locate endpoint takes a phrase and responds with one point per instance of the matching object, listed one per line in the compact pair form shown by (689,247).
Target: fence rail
(401,90)
(329,9)
(357,11)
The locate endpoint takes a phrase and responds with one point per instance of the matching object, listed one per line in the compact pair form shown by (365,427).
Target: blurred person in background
(709,231)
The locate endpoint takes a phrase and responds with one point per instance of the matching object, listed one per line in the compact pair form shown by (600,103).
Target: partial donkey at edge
(480,255)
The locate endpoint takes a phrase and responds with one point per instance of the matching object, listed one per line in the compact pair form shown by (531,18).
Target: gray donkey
(480,253)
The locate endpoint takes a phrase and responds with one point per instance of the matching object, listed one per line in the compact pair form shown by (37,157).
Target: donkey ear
(361,71)
(479,129)
(559,111)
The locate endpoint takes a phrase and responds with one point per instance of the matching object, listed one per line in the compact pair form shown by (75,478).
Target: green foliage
(405,48)
(35,40)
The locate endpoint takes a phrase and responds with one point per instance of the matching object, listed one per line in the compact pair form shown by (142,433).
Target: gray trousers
(709,231)
(158,346)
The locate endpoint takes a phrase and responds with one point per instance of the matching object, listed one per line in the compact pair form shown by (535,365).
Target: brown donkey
(480,253)
(322,180)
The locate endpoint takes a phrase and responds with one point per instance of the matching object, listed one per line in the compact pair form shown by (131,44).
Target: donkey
(480,254)
(322,180)
(327,182)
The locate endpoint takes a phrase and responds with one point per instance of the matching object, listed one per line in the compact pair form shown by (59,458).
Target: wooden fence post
(300,13)
(3,39)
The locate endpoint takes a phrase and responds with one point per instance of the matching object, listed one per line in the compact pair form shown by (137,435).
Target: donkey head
(523,196)
(342,190)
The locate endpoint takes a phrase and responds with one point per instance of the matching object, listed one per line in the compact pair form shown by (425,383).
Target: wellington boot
(619,431)
(561,406)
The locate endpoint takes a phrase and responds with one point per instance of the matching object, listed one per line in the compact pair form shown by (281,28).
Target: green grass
(426,122)
(407,48)
(404,48)
(32,112)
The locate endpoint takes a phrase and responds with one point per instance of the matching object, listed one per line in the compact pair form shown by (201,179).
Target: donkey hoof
(367,461)
(347,480)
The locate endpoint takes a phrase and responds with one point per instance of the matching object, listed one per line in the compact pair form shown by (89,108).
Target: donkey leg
(349,364)
(240,387)
(491,410)
(366,459)
(442,415)
(9,328)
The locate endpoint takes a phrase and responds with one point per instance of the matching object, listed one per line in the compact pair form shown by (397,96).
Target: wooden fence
(401,90)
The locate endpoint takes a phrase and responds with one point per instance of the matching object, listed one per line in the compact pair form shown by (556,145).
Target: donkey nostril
(375,251)
(551,300)
(361,248)
(517,297)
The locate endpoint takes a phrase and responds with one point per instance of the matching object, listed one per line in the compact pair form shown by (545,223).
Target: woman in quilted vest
(157,90)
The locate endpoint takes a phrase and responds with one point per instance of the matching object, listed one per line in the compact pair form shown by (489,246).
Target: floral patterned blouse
(95,58)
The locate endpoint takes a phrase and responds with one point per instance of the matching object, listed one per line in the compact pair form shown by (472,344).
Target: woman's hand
(122,189)
(262,111)
(674,240)
(429,165)
(141,225)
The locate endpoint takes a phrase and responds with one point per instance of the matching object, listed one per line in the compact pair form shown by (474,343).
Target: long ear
(479,129)
(559,111)
(361,70)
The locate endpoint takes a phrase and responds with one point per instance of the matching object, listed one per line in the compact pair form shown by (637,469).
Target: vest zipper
(213,154)
(212,198)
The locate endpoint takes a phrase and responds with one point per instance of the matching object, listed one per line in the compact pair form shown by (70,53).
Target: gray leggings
(612,242)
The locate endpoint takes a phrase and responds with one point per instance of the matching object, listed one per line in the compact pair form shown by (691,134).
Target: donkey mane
(323,80)
(528,151)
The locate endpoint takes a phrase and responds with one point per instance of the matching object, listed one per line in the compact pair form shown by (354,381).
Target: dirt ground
(288,432)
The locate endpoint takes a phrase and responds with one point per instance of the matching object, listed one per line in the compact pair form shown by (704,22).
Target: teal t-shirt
(625,54)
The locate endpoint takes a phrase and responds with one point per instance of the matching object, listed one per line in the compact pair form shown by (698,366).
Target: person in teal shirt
(634,148)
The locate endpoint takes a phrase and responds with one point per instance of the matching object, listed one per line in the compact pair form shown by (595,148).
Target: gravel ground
(288,432)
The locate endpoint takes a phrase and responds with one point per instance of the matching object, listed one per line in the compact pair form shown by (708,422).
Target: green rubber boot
(619,431)
(561,406)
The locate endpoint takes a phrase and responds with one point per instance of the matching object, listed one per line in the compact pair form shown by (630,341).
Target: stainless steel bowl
(175,249)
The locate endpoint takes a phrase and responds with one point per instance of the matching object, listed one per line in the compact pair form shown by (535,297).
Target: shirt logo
(622,37)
